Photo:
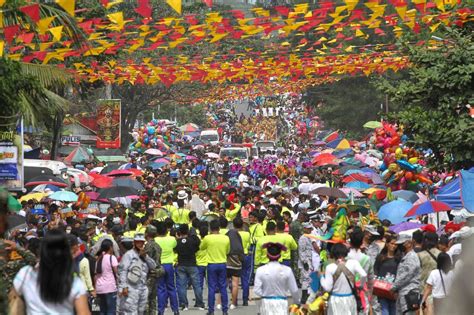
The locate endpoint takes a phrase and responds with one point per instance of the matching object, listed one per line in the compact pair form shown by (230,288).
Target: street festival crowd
(284,232)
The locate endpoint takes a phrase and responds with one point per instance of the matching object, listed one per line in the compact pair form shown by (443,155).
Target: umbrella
(373,124)
(405,226)
(191,158)
(330,192)
(117,191)
(109,168)
(78,155)
(155,152)
(64,195)
(128,166)
(394,211)
(376,179)
(319,143)
(155,165)
(407,195)
(120,173)
(44,187)
(427,207)
(189,127)
(35,196)
(344,169)
(128,182)
(371,190)
(97,170)
(162,160)
(46,179)
(102,182)
(356,177)
(212,155)
(352,191)
(358,185)
(354,171)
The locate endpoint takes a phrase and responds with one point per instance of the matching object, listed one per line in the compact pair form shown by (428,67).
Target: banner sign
(11,156)
(65,140)
(108,124)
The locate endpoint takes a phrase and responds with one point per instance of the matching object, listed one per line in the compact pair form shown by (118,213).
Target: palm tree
(32,90)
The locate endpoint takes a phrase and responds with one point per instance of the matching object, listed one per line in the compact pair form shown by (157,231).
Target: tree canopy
(436,97)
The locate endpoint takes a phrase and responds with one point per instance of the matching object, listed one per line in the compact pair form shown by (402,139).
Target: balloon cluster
(402,167)
(155,134)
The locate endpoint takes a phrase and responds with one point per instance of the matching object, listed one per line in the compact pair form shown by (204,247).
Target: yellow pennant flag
(116,18)
(1,19)
(175,4)
(1,48)
(67,5)
(56,32)
(43,24)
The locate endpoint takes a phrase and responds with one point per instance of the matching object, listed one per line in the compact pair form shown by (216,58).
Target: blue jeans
(108,303)
(216,280)
(186,273)
(246,274)
(389,307)
(202,275)
(167,289)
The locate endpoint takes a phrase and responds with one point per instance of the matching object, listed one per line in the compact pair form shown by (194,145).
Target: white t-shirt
(244,180)
(434,279)
(29,289)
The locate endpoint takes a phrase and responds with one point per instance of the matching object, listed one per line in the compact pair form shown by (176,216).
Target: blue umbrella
(407,195)
(350,172)
(156,165)
(358,185)
(63,195)
(394,211)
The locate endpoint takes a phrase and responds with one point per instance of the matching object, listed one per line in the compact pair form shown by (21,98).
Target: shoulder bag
(16,301)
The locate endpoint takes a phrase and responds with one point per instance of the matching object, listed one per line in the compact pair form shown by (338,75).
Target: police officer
(133,272)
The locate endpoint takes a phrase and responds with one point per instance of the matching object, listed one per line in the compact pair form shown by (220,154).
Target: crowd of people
(265,242)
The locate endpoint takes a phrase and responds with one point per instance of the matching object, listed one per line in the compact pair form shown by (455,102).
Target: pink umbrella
(191,158)
(354,192)
(94,196)
(162,160)
(155,152)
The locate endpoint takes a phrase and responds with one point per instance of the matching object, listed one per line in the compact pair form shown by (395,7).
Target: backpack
(134,272)
(92,264)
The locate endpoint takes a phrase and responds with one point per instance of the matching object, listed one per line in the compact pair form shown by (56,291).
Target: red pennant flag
(144,8)
(32,11)
(10,32)
(208,3)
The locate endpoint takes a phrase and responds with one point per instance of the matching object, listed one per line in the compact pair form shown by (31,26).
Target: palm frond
(41,106)
(48,75)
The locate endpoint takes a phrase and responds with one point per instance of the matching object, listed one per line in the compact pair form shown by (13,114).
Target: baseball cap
(139,237)
(371,229)
(429,228)
(402,238)
(307,225)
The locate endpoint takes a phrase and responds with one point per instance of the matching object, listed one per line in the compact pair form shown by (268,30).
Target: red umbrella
(427,208)
(379,194)
(324,159)
(102,182)
(356,177)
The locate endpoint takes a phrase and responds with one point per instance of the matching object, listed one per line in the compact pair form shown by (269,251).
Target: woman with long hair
(105,279)
(51,287)
(439,282)
(385,266)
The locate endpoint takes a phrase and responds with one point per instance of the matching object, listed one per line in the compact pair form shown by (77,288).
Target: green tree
(346,104)
(435,99)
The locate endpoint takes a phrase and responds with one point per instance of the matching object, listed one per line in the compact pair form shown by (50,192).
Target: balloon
(386,143)
(406,165)
(151,130)
(413,160)
(386,174)
(424,179)
(398,153)
(395,141)
(393,167)
(138,144)
(399,175)
(408,176)
(383,167)
(146,140)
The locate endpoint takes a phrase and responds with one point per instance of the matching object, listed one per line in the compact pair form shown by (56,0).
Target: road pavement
(240,310)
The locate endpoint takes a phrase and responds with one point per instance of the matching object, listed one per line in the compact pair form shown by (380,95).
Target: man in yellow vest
(288,241)
(261,257)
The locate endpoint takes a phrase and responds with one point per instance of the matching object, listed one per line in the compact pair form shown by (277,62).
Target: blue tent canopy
(451,192)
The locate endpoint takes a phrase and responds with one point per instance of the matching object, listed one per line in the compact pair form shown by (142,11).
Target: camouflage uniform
(9,268)
(408,278)
(153,250)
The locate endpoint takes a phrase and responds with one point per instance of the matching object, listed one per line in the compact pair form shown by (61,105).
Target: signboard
(11,156)
(70,140)
(108,124)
